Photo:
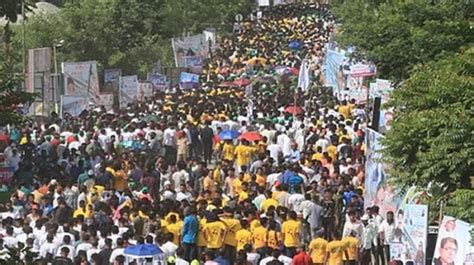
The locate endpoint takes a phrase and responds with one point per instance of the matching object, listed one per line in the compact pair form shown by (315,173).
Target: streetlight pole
(56,75)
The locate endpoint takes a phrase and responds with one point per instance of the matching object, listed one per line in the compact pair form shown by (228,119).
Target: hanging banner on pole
(303,78)
(81,79)
(128,90)
(363,70)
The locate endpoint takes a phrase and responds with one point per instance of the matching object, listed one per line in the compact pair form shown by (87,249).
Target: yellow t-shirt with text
(259,237)
(335,250)
(351,247)
(214,233)
(243,237)
(232,225)
(291,230)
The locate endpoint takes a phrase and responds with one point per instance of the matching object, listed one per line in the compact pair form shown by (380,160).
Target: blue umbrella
(295,45)
(143,250)
(229,135)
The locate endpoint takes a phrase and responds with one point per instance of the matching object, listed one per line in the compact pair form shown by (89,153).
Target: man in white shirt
(368,236)
(118,251)
(10,240)
(67,244)
(386,233)
(352,225)
(49,247)
(169,248)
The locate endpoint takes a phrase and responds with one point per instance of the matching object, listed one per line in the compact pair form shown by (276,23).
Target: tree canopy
(398,35)
(431,140)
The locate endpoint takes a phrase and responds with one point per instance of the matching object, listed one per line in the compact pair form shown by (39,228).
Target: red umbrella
(227,84)
(242,82)
(294,110)
(251,136)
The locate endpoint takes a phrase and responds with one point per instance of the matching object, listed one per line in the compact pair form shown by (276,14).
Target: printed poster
(73,105)
(187,49)
(410,235)
(145,91)
(112,79)
(377,189)
(106,100)
(128,90)
(81,79)
(188,80)
(454,242)
(158,81)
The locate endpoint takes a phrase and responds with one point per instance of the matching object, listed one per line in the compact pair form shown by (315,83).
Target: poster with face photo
(454,242)
(410,234)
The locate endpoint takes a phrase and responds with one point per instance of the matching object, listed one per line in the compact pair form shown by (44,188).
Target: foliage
(431,140)
(398,35)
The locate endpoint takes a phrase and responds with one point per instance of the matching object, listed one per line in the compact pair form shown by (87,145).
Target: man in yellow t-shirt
(228,151)
(259,236)
(175,227)
(243,154)
(351,249)
(344,109)
(335,250)
(230,240)
(243,236)
(214,233)
(318,251)
(291,230)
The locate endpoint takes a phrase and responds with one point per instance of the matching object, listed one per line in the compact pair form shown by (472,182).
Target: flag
(303,78)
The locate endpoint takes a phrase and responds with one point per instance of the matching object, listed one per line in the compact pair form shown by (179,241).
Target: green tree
(431,141)
(398,35)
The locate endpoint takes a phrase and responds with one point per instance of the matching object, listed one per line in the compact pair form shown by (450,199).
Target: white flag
(303,78)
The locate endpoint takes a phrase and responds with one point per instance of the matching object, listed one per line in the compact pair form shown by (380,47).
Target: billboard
(128,90)
(81,79)
(454,242)
(362,70)
(106,100)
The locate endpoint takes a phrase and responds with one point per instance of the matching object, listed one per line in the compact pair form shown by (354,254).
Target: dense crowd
(204,176)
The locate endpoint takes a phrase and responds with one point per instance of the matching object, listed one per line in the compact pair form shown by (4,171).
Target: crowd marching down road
(269,174)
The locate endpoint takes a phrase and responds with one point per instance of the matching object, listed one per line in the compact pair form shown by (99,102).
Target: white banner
(454,242)
(73,105)
(128,90)
(80,79)
(145,90)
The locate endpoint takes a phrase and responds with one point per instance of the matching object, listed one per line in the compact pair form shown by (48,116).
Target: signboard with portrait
(454,242)
(81,79)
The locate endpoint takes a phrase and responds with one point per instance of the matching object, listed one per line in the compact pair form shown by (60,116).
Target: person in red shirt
(301,257)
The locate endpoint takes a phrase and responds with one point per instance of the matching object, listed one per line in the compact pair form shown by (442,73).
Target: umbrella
(242,82)
(251,136)
(266,80)
(258,60)
(295,45)
(294,110)
(227,84)
(143,250)
(229,135)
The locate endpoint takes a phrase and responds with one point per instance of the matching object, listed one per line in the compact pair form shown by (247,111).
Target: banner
(81,79)
(188,49)
(263,2)
(112,79)
(377,190)
(128,90)
(145,90)
(362,70)
(188,80)
(410,235)
(73,105)
(454,242)
(39,61)
(106,100)
(158,81)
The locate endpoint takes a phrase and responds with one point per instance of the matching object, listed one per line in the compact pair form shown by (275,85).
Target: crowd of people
(203,175)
